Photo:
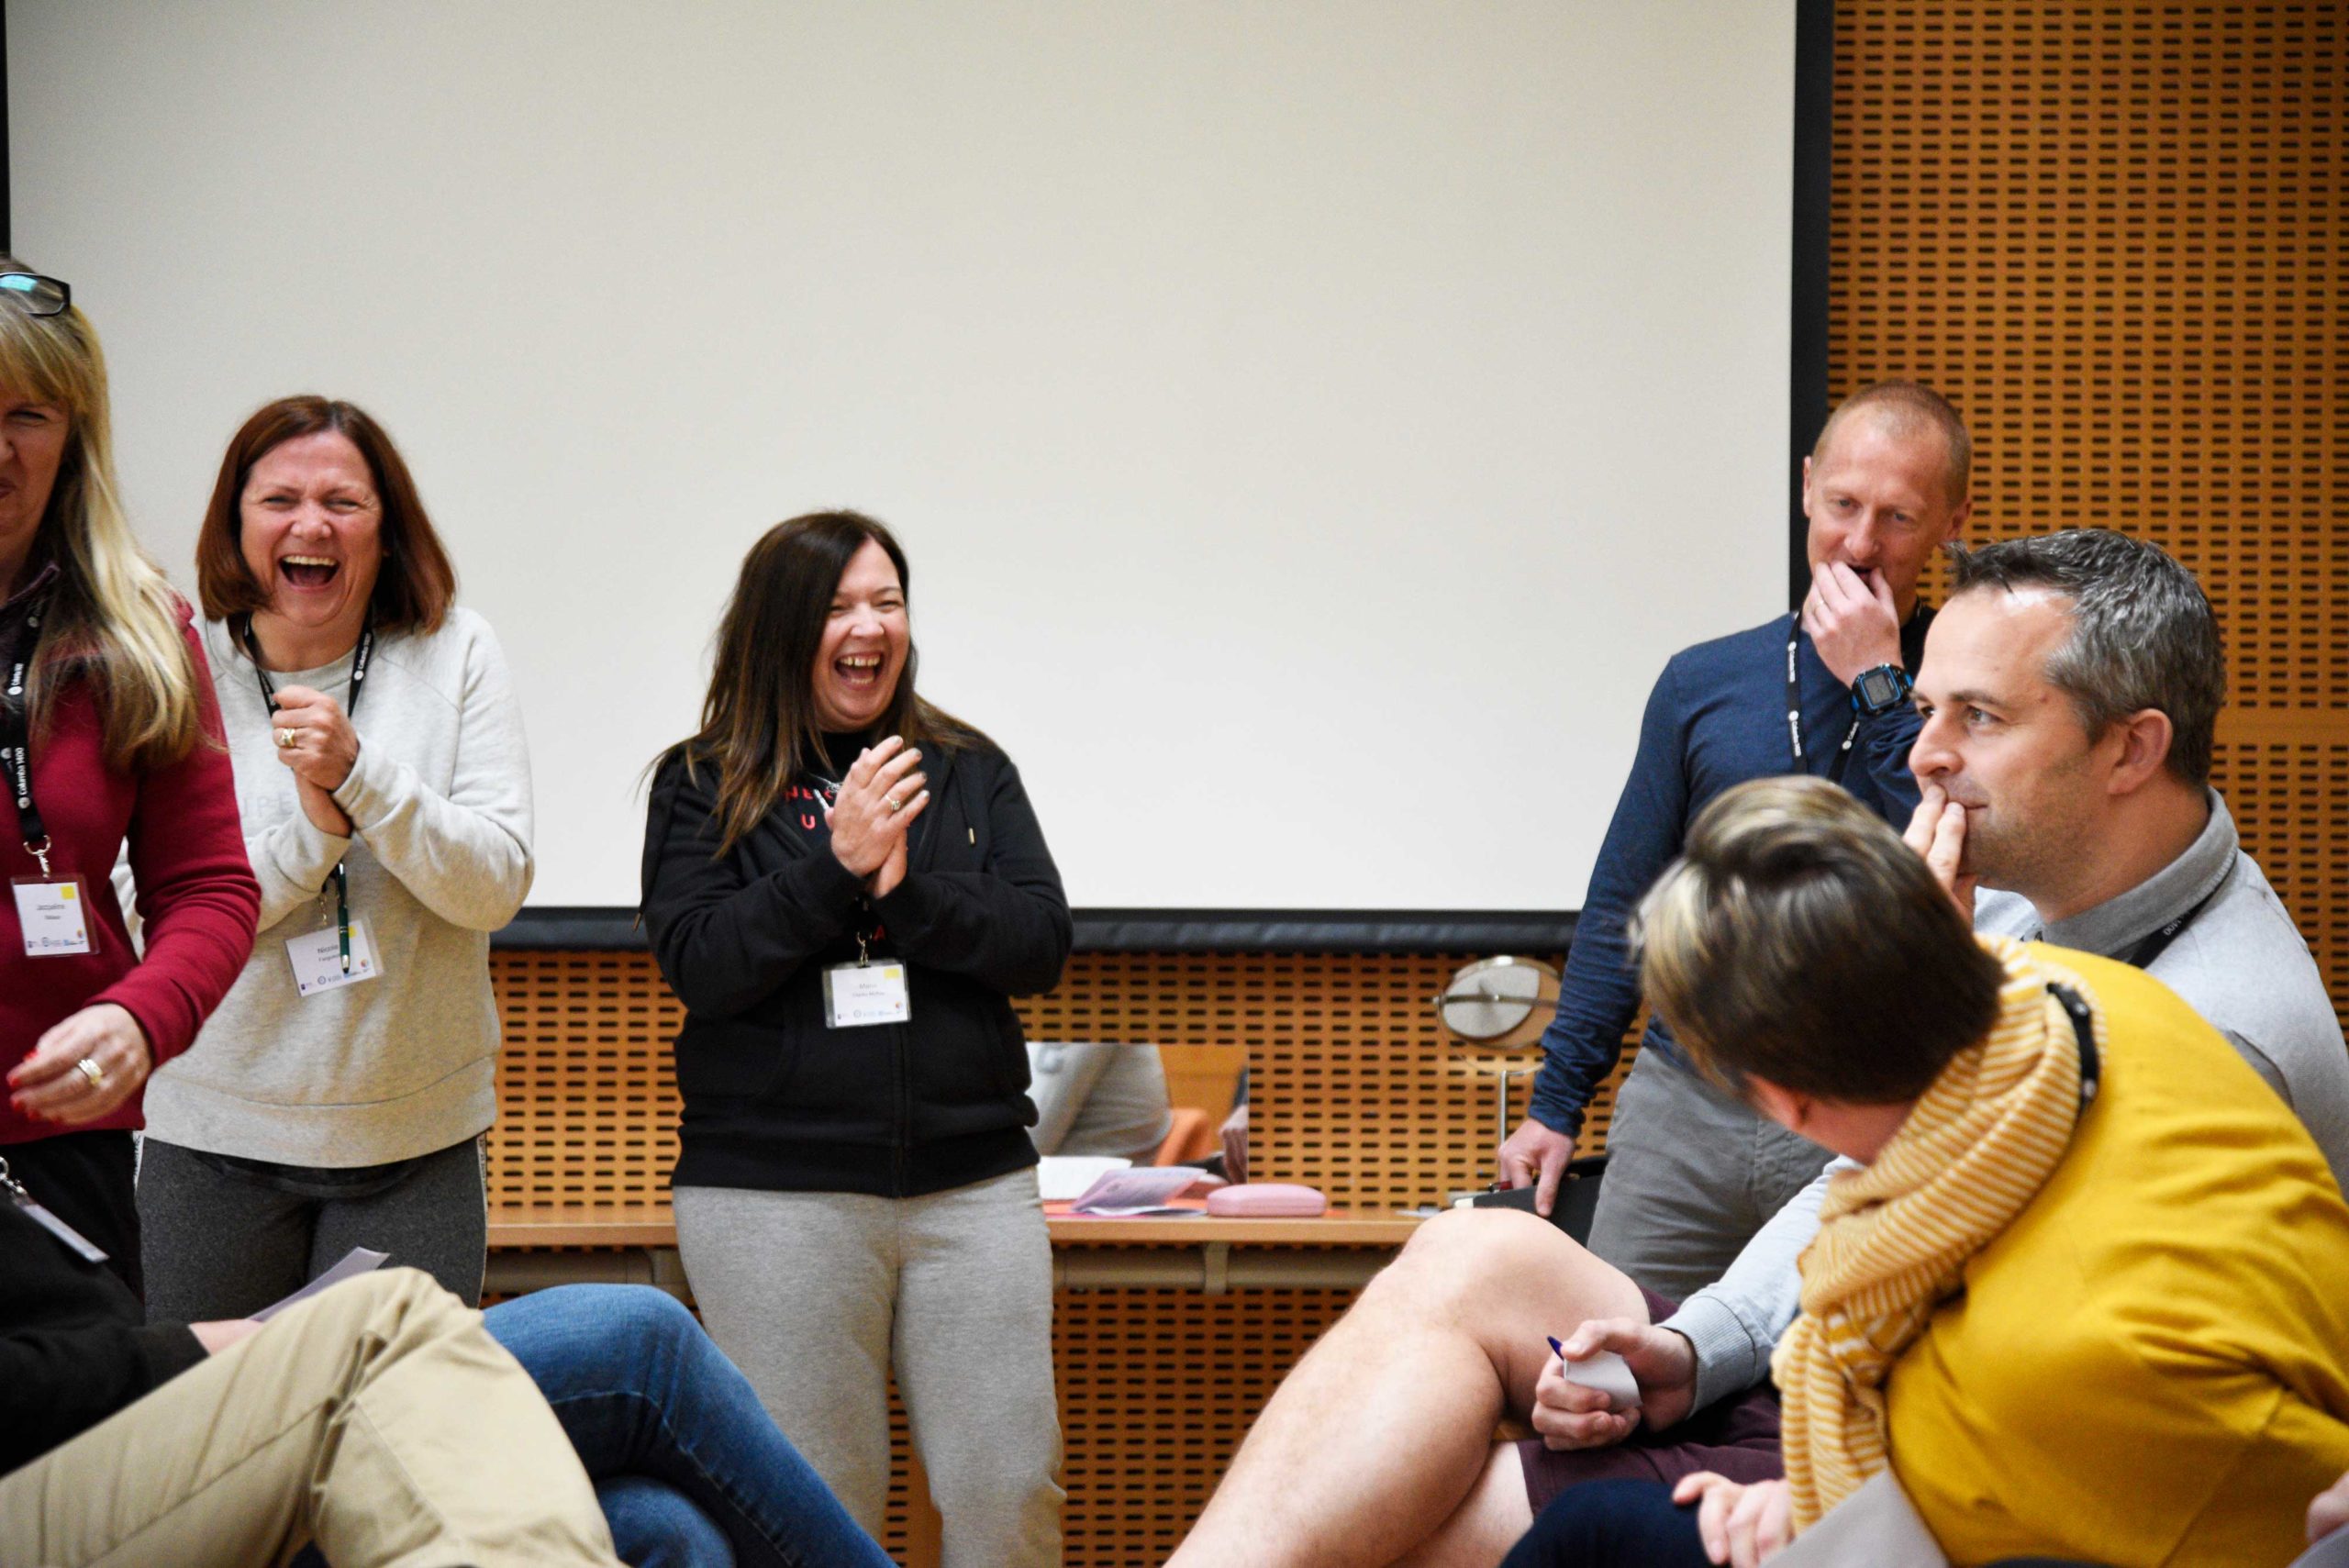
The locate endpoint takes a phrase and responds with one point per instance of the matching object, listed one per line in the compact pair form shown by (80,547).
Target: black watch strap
(1879,690)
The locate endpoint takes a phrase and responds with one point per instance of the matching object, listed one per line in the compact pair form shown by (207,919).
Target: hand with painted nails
(87,1064)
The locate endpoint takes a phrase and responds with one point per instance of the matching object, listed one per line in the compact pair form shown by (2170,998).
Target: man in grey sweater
(2069,692)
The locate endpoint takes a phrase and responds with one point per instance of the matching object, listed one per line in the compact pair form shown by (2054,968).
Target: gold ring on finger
(92,1072)
(284,739)
(896,805)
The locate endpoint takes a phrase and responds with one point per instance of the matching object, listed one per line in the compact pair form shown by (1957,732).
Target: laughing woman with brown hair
(338,1097)
(845,887)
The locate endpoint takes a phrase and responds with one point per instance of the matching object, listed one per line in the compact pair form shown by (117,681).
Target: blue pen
(1557,1347)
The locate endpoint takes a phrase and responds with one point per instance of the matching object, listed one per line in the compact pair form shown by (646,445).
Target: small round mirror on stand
(1496,1009)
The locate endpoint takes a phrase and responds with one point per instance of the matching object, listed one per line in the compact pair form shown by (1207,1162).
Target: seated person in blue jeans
(377,1414)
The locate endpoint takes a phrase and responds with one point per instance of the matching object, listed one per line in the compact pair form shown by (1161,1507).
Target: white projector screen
(1311,424)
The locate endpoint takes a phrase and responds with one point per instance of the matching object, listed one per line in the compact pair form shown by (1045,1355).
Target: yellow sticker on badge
(68,893)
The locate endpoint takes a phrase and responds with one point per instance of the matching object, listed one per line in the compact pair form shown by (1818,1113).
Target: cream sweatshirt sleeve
(465,855)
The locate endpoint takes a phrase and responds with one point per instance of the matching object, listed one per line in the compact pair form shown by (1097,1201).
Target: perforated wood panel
(2117,236)
(1157,1390)
(588,1099)
(1356,1092)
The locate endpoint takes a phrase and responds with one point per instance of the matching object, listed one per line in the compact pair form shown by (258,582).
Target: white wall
(1312,424)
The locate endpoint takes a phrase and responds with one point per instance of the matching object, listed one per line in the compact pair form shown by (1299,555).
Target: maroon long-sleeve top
(197,893)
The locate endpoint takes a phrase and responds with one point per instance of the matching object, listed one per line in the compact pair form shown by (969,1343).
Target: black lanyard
(17,741)
(2142,955)
(358,658)
(1843,758)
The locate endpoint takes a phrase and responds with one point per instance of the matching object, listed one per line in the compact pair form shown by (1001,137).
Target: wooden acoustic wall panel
(1353,1092)
(1157,1388)
(587,1100)
(2117,235)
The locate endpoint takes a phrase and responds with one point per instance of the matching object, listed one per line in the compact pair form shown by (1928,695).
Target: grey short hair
(2143,635)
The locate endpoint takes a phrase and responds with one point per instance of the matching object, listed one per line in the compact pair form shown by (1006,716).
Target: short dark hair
(2143,635)
(416,584)
(1797,940)
(1912,404)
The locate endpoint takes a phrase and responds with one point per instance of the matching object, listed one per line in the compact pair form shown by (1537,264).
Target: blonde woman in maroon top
(109,735)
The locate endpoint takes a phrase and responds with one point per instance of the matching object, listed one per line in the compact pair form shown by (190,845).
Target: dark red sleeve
(197,893)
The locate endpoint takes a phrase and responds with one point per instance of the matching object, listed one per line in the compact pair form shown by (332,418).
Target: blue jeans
(689,1469)
(642,1392)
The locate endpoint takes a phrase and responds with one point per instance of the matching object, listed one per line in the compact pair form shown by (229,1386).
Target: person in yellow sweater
(2090,1295)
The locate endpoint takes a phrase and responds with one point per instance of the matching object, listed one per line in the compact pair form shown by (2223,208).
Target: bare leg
(1387,1426)
(1481,1530)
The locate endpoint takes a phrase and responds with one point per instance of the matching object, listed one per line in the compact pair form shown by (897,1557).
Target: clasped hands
(1739,1525)
(877,802)
(315,738)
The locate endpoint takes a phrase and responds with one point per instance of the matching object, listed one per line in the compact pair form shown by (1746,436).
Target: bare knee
(1481,1255)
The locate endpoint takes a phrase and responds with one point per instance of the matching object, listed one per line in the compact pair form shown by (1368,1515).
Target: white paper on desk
(1147,1188)
(1062,1176)
(1875,1526)
(356,1261)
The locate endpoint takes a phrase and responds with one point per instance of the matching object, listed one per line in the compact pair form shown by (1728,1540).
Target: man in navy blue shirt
(1691,1173)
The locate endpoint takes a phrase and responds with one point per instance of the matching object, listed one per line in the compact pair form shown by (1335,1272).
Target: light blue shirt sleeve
(1734,1323)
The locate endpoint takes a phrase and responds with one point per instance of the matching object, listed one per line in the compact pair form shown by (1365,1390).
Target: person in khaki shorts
(377,1418)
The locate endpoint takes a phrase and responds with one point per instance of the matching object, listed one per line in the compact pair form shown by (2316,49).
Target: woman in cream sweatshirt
(337,1096)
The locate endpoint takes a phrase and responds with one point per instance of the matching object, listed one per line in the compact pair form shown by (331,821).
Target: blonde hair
(113,618)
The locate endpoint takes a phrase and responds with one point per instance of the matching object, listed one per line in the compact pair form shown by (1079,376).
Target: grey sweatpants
(224,1239)
(816,1296)
(1691,1176)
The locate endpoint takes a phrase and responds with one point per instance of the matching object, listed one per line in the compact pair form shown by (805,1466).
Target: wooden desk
(531,1249)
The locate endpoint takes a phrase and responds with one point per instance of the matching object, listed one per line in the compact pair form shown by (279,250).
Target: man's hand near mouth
(1852,619)
(1937,831)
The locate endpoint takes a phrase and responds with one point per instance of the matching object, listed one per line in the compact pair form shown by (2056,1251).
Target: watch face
(1877,689)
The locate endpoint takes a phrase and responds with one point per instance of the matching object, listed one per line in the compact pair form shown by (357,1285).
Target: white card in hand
(1606,1371)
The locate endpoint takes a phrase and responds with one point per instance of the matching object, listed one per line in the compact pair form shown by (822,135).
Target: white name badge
(54,914)
(317,958)
(859,994)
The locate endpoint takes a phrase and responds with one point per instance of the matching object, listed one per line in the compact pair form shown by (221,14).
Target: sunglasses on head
(34,295)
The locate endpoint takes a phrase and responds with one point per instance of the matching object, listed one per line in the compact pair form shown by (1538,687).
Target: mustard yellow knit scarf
(1894,1239)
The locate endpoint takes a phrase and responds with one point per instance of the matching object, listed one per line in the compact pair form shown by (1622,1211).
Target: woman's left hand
(1744,1526)
(51,1084)
(314,737)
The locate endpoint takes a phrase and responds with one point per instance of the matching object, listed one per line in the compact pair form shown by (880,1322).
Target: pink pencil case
(1266,1200)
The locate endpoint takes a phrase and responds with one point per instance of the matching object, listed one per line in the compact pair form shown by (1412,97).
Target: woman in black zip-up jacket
(845,886)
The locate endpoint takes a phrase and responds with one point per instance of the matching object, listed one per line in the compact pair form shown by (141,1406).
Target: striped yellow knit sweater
(2149,1363)
(1893,1237)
